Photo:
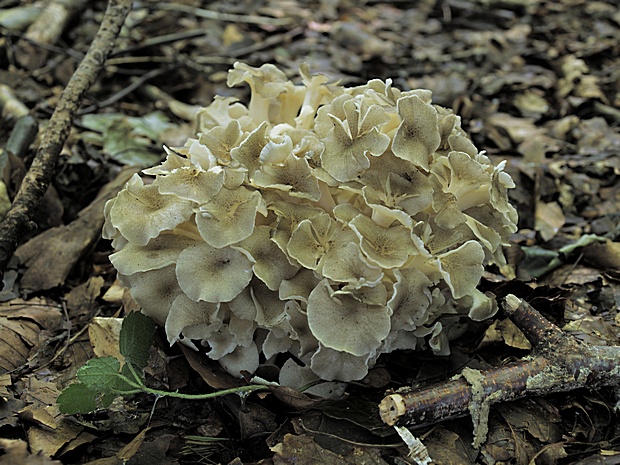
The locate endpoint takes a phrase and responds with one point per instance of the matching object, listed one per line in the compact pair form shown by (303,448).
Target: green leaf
(100,374)
(107,399)
(77,398)
(132,141)
(136,339)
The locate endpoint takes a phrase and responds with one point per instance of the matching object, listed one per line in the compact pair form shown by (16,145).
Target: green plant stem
(140,387)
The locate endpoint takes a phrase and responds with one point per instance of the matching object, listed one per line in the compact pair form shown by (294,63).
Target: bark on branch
(558,363)
(18,220)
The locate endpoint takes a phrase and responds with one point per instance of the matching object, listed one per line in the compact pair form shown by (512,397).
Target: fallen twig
(558,363)
(226,17)
(45,30)
(18,220)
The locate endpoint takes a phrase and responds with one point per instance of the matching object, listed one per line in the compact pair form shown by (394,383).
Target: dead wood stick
(559,362)
(30,51)
(18,220)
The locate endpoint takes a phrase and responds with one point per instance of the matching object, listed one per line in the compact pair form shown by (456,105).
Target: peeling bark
(558,363)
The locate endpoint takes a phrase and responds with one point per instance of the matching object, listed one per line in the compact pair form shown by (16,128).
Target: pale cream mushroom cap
(332,365)
(229,216)
(193,320)
(271,265)
(154,291)
(213,275)
(387,247)
(242,359)
(141,212)
(298,377)
(462,268)
(418,135)
(344,324)
(161,251)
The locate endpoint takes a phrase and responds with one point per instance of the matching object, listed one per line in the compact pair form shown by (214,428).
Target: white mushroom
(213,275)
(334,224)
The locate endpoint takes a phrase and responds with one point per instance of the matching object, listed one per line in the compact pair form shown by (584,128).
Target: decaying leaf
(104,336)
(303,450)
(16,451)
(549,219)
(51,255)
(21,323)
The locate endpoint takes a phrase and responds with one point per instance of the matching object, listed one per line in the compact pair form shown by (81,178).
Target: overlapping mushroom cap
(330,223)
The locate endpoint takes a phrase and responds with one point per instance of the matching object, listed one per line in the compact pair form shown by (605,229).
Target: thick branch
(17,221)
(559,363)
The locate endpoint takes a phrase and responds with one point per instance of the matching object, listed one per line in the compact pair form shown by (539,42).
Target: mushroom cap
(160,251)
(271,265)
(154,291)
(462,268)
(229,216)
(343,323)
(141,212)
(418,135)
(243,358)
(213,275)
(387,247)
(332,365)
(297,377)
(192,183)
(192,320)
(411,299)
(352,137)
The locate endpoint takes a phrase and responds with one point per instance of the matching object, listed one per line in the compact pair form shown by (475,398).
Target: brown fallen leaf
(505,331)
(5,382)
(549,219)
(16,452)
(51,255)
(302,450)
(21,323)
(447,447)
(81,300)
(104,334)
(48,442)
(605,255)
(211,373)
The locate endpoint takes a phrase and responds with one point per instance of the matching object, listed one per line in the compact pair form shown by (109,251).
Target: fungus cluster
(331,223)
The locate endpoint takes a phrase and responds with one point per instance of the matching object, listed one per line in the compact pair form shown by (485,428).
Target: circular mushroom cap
(418,135)
(333,365)
(154,291)
(386,247)
(229,216)
(297,377)
(352,137)
(345,324)
(462,268)
(195,320)
(270,264)
(161,251)
(141,212)
(241,359)
(213,275)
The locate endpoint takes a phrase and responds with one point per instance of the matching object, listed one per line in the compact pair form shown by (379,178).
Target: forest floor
(535,82)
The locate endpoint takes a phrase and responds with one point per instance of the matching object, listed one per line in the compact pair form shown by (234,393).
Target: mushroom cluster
(329,223)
